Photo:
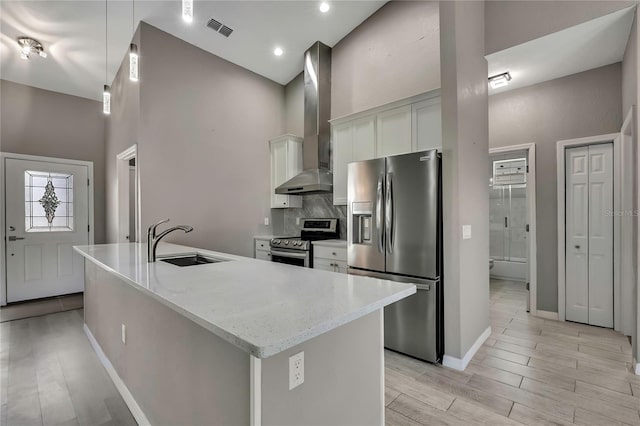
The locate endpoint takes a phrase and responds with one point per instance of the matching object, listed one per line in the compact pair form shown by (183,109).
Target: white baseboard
(637,369)
(547,315)
(461,364)
(135,409)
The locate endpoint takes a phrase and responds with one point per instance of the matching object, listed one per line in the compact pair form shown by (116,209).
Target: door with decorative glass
(47,213)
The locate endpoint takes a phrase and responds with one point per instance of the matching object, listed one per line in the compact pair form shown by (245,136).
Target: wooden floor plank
(527,416)
(562,382)
(473,414)
(539,354)
(393,418)
(608,396)
(591,418)
(421,412)
(573,399)
(418,390)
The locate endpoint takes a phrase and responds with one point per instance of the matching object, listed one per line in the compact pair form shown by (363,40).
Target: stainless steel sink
(190,260)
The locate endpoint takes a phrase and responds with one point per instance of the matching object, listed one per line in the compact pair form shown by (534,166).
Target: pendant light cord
(106,41)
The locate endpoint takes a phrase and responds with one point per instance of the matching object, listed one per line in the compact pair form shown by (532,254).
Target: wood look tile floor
(530,371)
(50,375)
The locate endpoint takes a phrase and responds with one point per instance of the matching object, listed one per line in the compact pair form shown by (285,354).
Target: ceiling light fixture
(278,51)
(106,93)
(187,10)
(133,48)
(324,7)
(499,80)
(29,46)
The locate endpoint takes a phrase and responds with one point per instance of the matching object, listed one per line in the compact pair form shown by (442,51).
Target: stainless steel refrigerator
(394,224)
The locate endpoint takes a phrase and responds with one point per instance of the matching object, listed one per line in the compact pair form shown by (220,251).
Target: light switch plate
(266,221)
(124,334)
(466,232)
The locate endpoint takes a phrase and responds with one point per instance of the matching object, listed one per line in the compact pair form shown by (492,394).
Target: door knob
(12,228)
(577,247)
(14,238)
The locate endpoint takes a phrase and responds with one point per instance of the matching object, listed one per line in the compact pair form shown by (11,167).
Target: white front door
(47,213)
(589,239)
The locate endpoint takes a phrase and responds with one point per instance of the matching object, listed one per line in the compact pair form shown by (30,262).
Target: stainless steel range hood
(316,177)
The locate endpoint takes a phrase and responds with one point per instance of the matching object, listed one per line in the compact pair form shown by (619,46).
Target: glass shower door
(508,221)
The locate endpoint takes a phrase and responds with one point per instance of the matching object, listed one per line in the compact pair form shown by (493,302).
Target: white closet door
(601,235)
(577,238)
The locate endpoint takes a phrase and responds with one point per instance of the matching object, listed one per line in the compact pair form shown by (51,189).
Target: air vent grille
(213,24)
(218,27)
(225,31)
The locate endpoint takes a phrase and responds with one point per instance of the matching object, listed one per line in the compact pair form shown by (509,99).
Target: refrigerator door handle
(379,213)
(388,216)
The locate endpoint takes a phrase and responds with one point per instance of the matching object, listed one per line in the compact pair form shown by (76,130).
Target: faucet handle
(151,231)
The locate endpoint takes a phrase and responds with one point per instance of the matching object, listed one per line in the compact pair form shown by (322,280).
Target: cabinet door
(278,172)
(342,155)
(323,264)
(364,139)
(263,255)
(393,132)
(426,123)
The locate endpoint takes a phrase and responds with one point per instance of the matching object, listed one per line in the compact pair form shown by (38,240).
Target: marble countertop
(331,243)
(261,307)
(266,237)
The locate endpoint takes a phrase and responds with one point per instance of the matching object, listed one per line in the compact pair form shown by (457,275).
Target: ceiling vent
(219,27)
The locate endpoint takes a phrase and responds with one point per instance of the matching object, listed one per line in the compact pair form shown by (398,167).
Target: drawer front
(333,253)
(330,265)
(262,245)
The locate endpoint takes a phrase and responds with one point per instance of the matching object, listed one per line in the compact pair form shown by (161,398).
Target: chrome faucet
(153,240)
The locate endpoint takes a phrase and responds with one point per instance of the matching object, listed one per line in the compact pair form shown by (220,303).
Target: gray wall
(584,104)
(177,371)
(51,124)
(630,70)
(392,55)
(204,125)
(465,174)
(509,23)
(343,383)
(294,106)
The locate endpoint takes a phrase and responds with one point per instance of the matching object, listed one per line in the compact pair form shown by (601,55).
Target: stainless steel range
(299,250)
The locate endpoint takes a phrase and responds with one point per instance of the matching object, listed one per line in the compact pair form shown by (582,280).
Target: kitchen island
(210,344)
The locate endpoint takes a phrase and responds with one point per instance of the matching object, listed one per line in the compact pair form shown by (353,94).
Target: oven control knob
(297,243)
(286,243)
(276,241)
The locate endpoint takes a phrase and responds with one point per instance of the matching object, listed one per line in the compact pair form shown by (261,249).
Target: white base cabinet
(262,248)
(286,162)
(409,125)
(330,255)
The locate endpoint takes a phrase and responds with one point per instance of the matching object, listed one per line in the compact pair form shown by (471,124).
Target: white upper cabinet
(394,132)
(426,123)
(409,125)
(286,162)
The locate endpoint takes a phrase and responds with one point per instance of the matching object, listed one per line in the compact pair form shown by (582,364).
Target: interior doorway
(512,221)
(128,196)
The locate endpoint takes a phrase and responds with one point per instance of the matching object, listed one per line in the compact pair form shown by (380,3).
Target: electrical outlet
(266,221)
(296,370)
(466,232)
(124,334)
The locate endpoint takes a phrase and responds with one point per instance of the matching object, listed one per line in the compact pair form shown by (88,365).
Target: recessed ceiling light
(29,46)
(187,10)
(324,7)
(499,80)
(278,51)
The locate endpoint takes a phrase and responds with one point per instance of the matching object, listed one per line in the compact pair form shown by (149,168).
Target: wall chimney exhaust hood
(316,177)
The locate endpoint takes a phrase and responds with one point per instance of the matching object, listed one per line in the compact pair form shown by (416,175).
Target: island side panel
(177,371)
(343,379)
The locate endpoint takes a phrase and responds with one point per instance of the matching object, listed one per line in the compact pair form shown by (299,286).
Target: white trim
(385,107)
(461,364)
(547,315)
(637,369)
(561,146)
(135,409)
(531,210)
(122,196)
(7,155)
(255,390)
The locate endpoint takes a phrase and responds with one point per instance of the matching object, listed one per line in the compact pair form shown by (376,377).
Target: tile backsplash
(315,206)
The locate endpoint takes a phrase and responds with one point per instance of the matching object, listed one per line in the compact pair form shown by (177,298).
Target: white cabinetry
(286,162)
(330,255)
(394,132)
(409,125)
(262,249)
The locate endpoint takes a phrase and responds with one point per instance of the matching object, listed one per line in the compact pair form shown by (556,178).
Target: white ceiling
(72,33)
(590,45)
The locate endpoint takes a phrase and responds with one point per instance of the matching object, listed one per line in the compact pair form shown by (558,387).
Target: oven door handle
(288,254)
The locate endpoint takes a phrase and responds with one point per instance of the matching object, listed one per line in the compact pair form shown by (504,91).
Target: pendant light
(106,94)
(133,49)
(187,10)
